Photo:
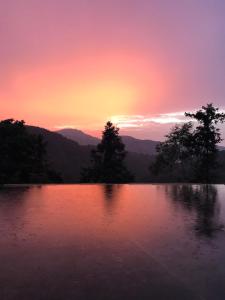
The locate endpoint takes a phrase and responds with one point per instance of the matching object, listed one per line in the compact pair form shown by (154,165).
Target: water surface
(112,242)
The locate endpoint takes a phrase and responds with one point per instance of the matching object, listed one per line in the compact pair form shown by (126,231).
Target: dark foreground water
(112,242)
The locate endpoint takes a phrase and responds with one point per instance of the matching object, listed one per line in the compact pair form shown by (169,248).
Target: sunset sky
(140,63)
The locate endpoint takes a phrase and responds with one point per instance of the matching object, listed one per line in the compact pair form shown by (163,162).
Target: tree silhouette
(190,153)
(206,137)
(22,155)
(107,161)
(172,161)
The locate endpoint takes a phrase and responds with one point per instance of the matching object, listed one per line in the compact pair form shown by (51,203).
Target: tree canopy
(172,162)
(190,150)
(206,137)
(22,155)
(107,160)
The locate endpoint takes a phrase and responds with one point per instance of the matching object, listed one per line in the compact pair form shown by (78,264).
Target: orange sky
(79,63)
(82,90)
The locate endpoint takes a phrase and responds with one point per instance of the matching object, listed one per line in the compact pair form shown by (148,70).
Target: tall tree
(189,152)
(206,136)
(107,161)
(22,155)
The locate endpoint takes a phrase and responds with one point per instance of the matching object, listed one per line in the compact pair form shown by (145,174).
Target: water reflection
(15,205)
(13,201)
(66,240)
(203,200)
(110,192)
(13,194)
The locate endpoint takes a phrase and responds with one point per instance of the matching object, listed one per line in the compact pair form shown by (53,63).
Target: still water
(65,242)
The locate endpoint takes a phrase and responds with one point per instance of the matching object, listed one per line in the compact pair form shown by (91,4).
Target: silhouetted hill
(79,136)
(138,164)
(132,144)
(140,146)
(68,157)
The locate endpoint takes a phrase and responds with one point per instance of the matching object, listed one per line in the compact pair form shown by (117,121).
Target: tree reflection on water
(203,200)
(111,196)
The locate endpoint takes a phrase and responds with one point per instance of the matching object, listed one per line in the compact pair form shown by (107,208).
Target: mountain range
(68,151)
(132,144)
(68,157)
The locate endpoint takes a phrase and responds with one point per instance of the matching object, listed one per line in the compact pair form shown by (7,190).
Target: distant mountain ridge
(68,157)
(132,144)
(78,136)
(140,146)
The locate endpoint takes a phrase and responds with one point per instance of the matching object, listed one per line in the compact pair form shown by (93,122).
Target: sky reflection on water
(112,242)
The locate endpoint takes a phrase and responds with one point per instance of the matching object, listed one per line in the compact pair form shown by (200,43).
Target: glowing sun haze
(140,63)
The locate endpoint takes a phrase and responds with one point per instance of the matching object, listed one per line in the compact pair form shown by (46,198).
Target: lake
(112,242)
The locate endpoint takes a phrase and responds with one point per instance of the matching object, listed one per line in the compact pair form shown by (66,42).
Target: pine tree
(107,160)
